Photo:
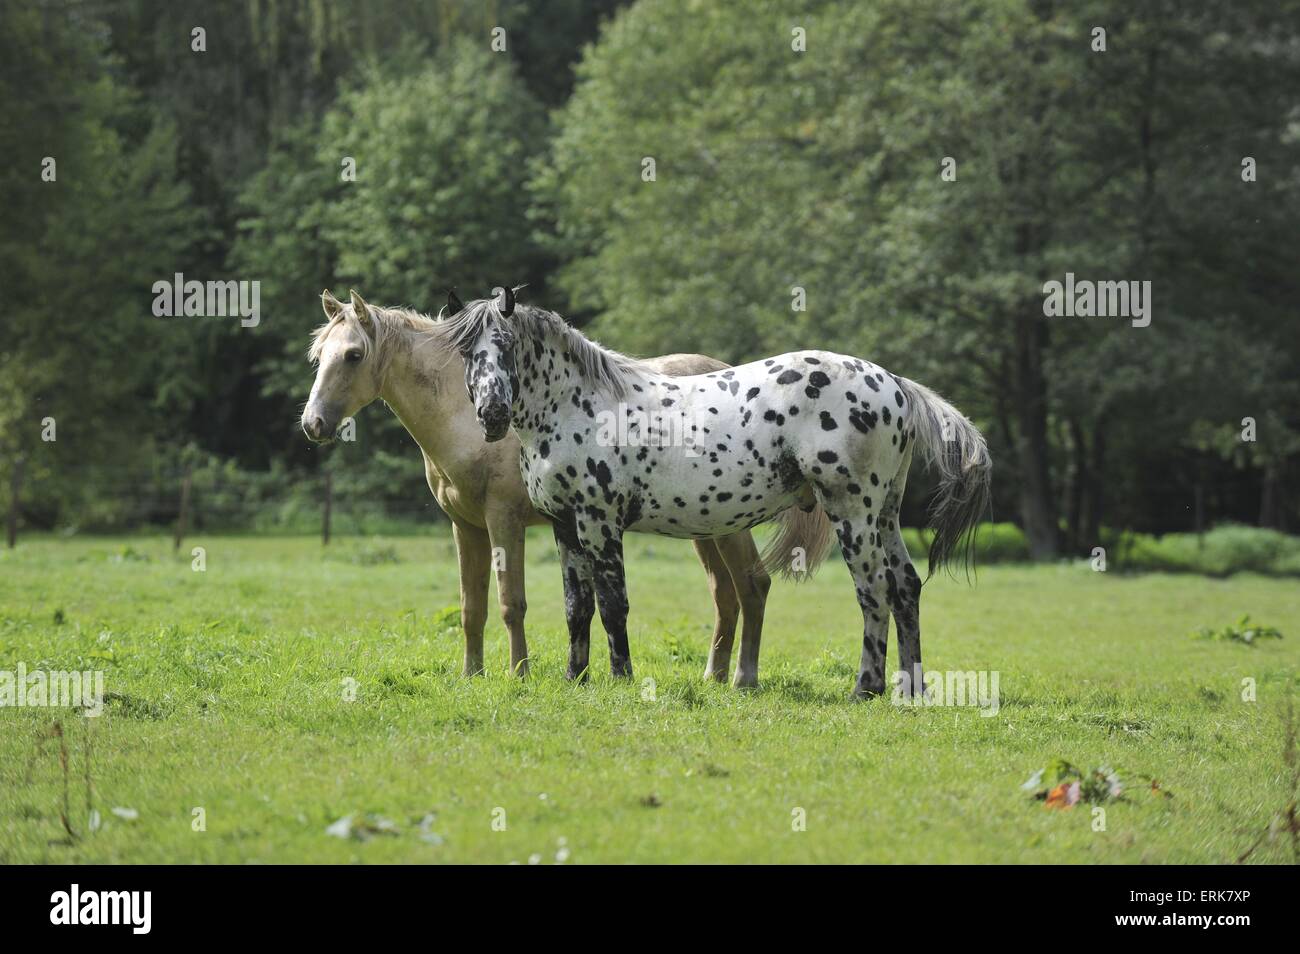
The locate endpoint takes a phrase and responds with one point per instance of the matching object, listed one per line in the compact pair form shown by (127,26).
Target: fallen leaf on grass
(1065,795)
(1067,785)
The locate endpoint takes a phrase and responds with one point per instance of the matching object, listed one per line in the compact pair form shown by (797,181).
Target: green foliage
(438,195)
(1225,550)
(704,257)
(436,203)
(446,620)
(993,543)
(1242,632)
(775,169)
(81,253)
(1219,552)
(822,170)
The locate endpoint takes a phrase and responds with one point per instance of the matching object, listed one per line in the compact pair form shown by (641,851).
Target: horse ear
(331,304)
(361,308)
(505,301)
(454,304)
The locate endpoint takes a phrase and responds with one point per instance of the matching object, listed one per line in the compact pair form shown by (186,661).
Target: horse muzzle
(317,429)
(495,421)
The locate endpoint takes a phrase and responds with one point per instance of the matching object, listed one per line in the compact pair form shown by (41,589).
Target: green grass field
(227,695)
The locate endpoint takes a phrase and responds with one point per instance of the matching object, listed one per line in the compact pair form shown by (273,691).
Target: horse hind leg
(726,606)
(902,585)
(860,544)
(751,583)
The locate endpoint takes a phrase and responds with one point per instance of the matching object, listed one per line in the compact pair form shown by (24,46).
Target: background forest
(1171,156)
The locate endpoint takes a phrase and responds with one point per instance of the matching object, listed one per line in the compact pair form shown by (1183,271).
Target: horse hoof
(621,669)
(866,693)
(715,675)
(746,681)
(580,677)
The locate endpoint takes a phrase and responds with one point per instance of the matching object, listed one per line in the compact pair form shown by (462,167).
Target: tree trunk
(1199,504)
(1093,502)
(1076,540)
(183,518)
(1037,505)
(1270,511)
(15,496)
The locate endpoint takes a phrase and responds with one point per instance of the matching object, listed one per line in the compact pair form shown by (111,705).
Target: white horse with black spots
(794,430)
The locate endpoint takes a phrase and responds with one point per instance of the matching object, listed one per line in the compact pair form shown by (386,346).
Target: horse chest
(460,499)
(552,485)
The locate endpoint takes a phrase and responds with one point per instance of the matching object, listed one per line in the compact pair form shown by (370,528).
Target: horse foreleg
(507,536)
(751,584)
(579,600)
(473,553)
(726,606)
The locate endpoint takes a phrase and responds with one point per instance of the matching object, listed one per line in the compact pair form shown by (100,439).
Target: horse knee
(579,611)
(512,612)
(613,609)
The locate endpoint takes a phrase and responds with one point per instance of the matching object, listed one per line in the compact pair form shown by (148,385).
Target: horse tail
(801,543)
(954,448)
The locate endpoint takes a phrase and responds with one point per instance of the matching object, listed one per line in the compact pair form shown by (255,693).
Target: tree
(921,170)
(398,200)
(95,214)
(439,197)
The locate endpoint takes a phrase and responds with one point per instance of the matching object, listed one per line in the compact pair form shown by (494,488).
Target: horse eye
(352,357)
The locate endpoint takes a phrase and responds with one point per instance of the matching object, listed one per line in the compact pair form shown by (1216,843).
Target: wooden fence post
(15,488)
(329,504)
(183,518)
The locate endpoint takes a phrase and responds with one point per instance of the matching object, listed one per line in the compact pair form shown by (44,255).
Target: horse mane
(600,366)
(388,323)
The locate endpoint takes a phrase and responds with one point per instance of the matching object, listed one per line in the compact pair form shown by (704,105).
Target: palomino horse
(763,437)
(365,352)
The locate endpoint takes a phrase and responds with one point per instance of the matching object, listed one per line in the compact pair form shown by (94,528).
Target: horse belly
(694,523)
(692,500)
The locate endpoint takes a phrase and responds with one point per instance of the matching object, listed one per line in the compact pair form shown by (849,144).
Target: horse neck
(532,368)
(425,386)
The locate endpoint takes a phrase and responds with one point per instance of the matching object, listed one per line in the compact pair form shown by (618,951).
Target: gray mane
(598,365)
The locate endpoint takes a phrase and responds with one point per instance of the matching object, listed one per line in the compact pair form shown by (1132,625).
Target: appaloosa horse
(364,352)
(759,439)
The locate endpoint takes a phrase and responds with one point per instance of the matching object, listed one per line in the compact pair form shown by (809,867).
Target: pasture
(228,693)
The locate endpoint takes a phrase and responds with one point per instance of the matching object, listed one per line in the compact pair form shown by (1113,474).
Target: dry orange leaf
(1058,797)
